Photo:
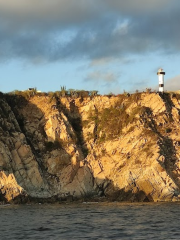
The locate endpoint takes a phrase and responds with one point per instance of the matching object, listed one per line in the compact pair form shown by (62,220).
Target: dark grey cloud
(103,29)
(36,13)
(141,7)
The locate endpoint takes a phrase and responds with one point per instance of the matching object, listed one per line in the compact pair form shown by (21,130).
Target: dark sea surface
(91,221)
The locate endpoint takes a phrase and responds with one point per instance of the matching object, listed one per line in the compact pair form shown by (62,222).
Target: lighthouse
(161,74)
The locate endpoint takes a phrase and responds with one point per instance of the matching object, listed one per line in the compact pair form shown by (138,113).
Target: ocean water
(91,221)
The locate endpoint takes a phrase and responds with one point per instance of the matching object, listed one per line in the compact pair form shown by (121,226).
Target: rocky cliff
(124,148)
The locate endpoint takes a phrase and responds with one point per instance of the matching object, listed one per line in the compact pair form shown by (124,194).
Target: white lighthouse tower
(161,74)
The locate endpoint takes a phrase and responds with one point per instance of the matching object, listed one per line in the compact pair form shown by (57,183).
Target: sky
(104,45)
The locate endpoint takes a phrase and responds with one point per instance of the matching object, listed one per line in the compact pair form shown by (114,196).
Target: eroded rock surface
(124,148)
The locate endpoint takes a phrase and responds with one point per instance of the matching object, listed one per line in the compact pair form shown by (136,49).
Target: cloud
(53,11)
(105,80)
(59,30)
(173,84)
(101,62)
(105,77)
(139,6)
(75,8)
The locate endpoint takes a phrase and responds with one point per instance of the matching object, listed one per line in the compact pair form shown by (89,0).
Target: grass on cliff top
(27,94)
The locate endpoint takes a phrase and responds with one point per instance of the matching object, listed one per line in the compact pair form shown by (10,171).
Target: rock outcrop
(124,148)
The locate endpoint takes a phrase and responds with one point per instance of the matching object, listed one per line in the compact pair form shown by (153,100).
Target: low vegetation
(27,94)
(53,145)
(110,122)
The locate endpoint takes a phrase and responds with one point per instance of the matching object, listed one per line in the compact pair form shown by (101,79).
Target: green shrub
(52,145)
(168,130)
(26,94)
(177,96)
(52,96)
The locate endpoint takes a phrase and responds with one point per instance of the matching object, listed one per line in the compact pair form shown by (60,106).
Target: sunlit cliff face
(123,148)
